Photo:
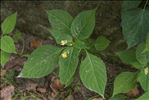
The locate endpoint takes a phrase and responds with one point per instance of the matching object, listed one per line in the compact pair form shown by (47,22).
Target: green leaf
(146,49)
(128,5)
(91,45)
(143,79)
(17,36)
(59,36)
(135,25)
(70,81)
(4,58)
(61,22)
(83,25)
(124,82)
(101,43)
(57,18)
(9,23)
(41,62)
(93,74)
(7,44)
(142,57)
(129,57)
(80,44)
(145,96)
(68,63)
(119,97)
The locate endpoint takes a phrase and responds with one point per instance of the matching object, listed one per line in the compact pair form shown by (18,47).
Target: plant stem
(22,47)
(145,4)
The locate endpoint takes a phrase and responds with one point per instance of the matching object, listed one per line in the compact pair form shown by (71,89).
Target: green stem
(145,4)
(22,47)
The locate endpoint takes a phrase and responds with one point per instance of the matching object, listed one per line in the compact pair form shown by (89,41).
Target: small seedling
(138,59)
(135,25)
(7,43)
(70,34)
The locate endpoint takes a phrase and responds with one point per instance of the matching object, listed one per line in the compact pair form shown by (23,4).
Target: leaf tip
(16,13)
(96,8)
(20,75)
(15,52)
(47,11)
(2,65)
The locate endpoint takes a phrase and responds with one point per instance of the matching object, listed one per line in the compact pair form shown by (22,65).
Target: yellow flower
(64,54)
(63,42)
(70,44)
(146,71)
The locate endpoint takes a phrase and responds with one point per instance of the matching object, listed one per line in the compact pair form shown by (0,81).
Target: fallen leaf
(53,94)
(70,97)
(98,99)
(9,98)
(56,84)
(35,43)
(134,92)
(3,72)
(15,61)
(7,92)
(31,86)
(41,90)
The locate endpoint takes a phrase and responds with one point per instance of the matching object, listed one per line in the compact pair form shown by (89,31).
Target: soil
(33,23)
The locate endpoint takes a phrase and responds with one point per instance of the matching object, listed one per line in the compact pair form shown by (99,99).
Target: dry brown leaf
(31,86)
(70,97)
(134,92)
(41,90)
(15,61)
(9,98)
(7,92)
(35,43)
(98,99)
(3,72)
(53,94)
(56,84)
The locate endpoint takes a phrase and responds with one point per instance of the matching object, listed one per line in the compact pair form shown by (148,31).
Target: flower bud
(63,42)
(64,54)
(146,71)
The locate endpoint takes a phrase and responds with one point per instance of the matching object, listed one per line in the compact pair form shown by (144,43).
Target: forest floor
(49,87)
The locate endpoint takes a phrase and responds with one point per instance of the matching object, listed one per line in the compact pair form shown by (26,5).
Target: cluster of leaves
(73,50)
(71,35)
(135,25)
(7,42)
